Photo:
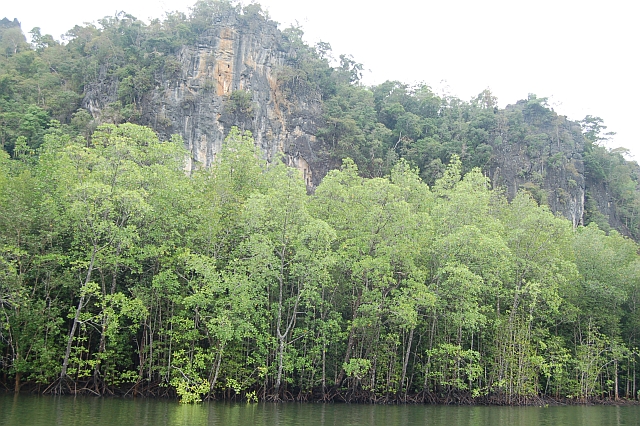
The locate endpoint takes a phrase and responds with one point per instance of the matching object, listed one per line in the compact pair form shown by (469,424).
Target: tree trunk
(282,337)
(615,393)
(103,332)
(350,343)
(67,353)
(76,318)
(324,369)
(280,364)
(17,382)
(426,371)
(217,369)
(405,363)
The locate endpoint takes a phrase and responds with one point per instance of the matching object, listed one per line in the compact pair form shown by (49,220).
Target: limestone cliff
(230,77)
(242,71)
(547,163)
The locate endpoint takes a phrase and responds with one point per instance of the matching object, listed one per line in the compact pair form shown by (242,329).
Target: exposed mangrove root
(144,389)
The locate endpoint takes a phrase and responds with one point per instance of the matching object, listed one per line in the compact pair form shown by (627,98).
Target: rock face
(548,165)
(603,201)
(230,78)
(5,23)
(239,73)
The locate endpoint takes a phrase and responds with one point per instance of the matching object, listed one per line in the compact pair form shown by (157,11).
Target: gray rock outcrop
(230,77)
(548,165)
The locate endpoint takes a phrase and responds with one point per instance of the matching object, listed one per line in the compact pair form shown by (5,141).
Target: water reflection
(64,411)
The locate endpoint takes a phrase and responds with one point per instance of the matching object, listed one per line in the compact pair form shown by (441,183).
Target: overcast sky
(582,55)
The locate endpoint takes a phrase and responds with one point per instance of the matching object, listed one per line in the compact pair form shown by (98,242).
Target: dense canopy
(121,273)
(406,275)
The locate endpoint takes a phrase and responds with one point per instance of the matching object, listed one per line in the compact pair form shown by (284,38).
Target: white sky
(582,55)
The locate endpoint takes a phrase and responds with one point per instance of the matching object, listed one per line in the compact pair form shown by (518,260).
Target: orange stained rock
(223,71)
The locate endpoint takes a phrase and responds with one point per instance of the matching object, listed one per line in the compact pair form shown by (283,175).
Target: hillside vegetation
(415,271)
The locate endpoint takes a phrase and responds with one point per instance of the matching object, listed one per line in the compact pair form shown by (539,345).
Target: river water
(68,411)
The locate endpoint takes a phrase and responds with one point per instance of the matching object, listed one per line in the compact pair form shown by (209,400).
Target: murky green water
(69,411)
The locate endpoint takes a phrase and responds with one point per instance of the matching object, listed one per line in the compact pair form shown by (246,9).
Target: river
(69,411)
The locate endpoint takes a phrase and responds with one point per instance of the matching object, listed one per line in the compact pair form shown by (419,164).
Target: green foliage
(240,104)
(357,368)
(375,126)
(189,386)
(235,283)
(404,273)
